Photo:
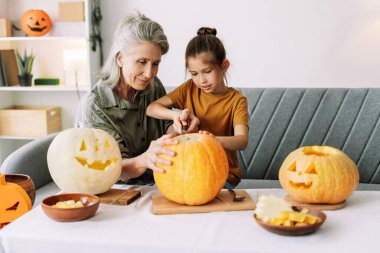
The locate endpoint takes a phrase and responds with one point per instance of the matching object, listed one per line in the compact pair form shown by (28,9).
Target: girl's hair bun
(206,31)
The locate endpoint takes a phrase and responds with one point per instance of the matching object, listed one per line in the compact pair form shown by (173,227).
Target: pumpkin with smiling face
(84,160)
(35,23)
(319,174)
(14,201)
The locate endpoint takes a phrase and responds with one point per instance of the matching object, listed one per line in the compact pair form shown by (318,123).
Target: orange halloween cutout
(318,174)
(84,160)
(14,201)
(35,22)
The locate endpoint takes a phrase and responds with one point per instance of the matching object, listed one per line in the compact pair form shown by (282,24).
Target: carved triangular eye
(14,207)
(292,167)
(83,146)
(311,169)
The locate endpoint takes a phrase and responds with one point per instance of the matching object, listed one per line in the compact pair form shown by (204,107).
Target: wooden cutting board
(320,207)
(222,202)
(119,197)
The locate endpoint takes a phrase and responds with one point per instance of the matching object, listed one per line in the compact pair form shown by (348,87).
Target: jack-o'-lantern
(197,172)
(84,160)
(35,22)
(14,201)
(319,174)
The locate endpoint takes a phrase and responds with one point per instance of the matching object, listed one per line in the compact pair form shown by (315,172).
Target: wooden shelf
(6,137)
(55,88)
(42,38)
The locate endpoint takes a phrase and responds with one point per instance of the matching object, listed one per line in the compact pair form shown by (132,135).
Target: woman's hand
(206,132)
(150,157)
(186,119)
(136,166)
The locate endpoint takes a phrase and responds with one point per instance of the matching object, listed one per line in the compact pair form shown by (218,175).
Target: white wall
(277,43)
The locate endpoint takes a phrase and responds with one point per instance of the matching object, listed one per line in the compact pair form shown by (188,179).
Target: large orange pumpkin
(35,22)
(197,173)
(14,201)
(319,174)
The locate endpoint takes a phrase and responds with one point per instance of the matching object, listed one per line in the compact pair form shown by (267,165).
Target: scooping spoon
(236,198)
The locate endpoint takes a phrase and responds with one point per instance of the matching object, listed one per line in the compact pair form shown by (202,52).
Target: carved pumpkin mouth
(96,165)
(37,29)
(14,207)
(300,185)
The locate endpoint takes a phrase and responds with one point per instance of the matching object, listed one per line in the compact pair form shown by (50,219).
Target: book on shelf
(2,78)
(8,68)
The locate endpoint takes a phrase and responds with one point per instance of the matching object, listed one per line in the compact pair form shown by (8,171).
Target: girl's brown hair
(206,42)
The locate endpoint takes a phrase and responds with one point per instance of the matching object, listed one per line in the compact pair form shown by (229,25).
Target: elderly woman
(128,83)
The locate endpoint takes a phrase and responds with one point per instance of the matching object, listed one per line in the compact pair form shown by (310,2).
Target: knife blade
(184,129)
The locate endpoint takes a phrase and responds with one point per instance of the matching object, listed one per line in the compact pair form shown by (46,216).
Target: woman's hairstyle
(206,42)
(132,30)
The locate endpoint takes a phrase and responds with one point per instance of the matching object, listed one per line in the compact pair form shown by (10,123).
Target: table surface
(134,228)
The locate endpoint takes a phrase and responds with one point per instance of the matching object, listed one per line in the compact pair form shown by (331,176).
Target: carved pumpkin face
(197,173)
(14,201)
(319,174)
(84,160)
(35,22)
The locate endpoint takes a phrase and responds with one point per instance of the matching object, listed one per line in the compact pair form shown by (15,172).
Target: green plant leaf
(25,63)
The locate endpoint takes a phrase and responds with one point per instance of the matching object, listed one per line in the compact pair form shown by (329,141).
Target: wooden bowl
(294,231)
(91,205)
(25,182)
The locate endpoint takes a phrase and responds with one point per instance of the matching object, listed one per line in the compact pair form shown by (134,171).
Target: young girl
(208,105)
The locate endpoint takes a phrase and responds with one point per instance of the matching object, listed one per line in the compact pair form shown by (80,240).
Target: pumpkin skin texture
(84,160)
(35,23)
(197,172)
(14,201)
(319,175)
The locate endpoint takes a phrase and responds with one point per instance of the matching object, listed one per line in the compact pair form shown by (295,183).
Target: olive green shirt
(126,121)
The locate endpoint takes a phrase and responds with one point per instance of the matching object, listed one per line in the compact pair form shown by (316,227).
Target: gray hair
(132,30)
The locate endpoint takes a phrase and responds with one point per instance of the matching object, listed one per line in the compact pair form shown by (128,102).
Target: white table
(134,228)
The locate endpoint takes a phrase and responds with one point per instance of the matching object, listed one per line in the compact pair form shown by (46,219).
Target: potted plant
(25,63)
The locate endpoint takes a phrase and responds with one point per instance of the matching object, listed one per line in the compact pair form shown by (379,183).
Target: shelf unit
(39,88)
(49,62)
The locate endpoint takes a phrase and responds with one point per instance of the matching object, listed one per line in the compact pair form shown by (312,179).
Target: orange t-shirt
(218,114)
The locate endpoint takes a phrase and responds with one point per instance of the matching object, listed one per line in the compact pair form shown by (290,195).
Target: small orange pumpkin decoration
(197,173)
(35,23)
(319,174)
(14,201)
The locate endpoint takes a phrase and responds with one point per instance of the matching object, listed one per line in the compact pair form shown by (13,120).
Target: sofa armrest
(31,160)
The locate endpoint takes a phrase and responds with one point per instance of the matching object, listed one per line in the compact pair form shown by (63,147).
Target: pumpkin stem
(314,150)
(2,179)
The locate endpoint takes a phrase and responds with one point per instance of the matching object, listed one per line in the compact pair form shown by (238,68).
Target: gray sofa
(281,120)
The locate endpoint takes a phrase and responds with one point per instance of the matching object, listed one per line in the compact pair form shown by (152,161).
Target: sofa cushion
(266,183)
(283,119)
(30,159)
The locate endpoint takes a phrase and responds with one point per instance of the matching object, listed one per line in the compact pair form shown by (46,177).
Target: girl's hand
(206,132)
(187,119)
(155,148)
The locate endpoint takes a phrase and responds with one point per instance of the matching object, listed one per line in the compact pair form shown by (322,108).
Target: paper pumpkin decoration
(319,174)
(35,23)
(197,173)
(14,201)
(84,160)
